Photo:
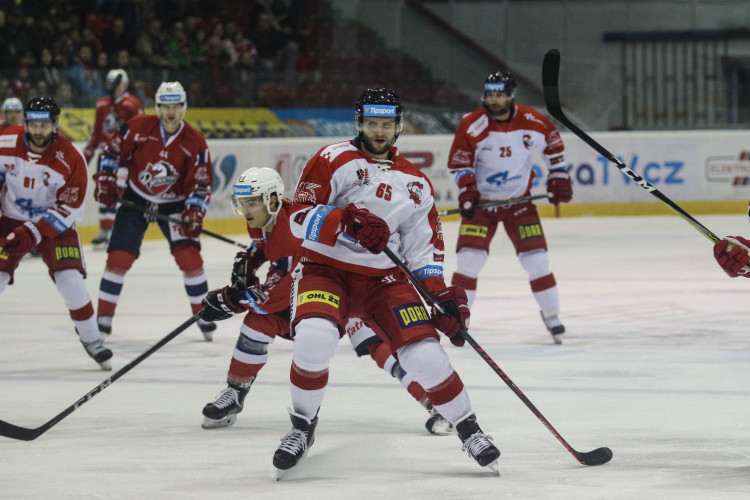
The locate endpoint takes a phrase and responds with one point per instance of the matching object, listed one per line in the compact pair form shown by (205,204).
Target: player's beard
(41,141)
(372,148)
(500,110)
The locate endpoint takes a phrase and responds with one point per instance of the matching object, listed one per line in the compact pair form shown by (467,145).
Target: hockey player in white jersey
(43,184)
(491,160)
(353,200)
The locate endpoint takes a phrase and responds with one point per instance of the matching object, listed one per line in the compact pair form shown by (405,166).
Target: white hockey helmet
(12,104)
(256,182)
(116,78)
(170,93)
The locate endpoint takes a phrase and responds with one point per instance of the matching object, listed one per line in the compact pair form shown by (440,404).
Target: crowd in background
(219,49)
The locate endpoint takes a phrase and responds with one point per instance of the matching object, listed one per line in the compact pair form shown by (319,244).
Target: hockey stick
(28,434)
(598,456)
(511,201)
(167,218)
(550,74)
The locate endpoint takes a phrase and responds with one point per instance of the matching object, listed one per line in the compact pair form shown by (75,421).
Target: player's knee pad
(188,258)
(120,261)
(535,262)
(252,346)
(426,361)
(469,261)
(315,342)
(72,286)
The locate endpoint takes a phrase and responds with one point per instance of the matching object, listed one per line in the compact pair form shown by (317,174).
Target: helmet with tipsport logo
(258,182)
(500,81)
(379,103)
(42,108)
(383,103)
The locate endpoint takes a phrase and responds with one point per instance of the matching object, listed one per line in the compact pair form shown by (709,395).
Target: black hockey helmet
(42,108)
(379,103)
(385,104)
(500,81)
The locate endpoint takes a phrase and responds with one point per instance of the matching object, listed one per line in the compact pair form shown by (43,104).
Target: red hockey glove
(734,260)
(456,314)
(366,228)
(107,192)
(246,264)
(192,215)
(558,185)
(222,303)
(21,240)
(468,197)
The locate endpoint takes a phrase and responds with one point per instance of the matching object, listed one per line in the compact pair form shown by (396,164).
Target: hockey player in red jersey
(111,112)
(491,160)
(354,199)
(168,169)
(43,185)
(258,197)
(12,113)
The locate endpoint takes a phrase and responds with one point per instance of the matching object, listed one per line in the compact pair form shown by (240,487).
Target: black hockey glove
(245,266)
(223,303)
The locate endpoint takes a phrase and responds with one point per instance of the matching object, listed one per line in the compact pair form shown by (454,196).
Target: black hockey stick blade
(598,456)
(550,75)
(29,434)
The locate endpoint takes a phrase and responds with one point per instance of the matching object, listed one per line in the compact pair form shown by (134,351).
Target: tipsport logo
(379,110)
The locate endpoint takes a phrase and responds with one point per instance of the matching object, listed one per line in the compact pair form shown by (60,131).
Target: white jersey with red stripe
(401,195)
(51,186)
(500,154)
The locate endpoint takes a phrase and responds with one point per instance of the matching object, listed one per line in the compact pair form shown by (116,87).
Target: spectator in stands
(179,46)
(64,96)
(151,47)
(277,53)
(116,38)
(47,69)
(83,76)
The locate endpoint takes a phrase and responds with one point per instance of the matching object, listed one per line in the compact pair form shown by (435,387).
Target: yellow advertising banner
(214,123)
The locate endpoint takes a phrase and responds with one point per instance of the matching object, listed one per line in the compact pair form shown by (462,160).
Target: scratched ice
(655,365)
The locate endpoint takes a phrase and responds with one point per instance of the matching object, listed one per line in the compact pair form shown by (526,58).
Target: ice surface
(655,365)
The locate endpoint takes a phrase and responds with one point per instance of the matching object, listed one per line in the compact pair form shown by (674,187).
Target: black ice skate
(477,444)
(437,424)
(105,324)
(207,328)
(223,412)
(295,444)
(99,353)
(554,327)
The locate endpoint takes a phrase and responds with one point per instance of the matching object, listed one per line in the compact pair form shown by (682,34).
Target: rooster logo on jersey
(415,192)
(158,177)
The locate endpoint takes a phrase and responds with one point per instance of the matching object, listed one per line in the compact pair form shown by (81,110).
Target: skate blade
(557,338)
(281,474)
(106,365)
(209,423)
(495,467)
(208,336)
